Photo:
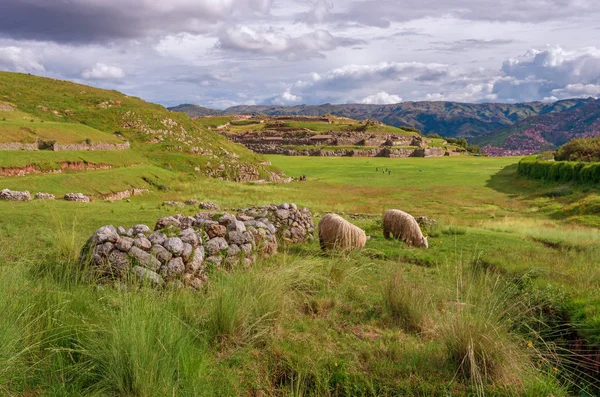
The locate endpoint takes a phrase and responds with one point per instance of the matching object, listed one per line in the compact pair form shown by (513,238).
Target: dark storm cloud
(89,21)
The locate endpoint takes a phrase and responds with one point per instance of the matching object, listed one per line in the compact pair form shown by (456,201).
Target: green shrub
(584,149)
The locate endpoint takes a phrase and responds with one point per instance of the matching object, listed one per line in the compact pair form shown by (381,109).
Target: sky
(222,53)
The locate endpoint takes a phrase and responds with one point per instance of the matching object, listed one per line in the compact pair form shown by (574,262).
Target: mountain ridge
(448,119)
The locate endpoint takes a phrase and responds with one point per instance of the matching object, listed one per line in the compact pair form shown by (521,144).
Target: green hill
(33,108)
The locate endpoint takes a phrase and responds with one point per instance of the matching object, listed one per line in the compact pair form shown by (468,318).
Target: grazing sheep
(403,226)
(336,232)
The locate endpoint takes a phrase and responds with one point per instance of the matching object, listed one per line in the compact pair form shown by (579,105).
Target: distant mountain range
(519,128)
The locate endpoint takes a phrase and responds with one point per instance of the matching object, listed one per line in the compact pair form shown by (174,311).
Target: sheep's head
(424,242)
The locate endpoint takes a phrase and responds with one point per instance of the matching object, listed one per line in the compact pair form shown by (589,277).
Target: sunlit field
(511,276)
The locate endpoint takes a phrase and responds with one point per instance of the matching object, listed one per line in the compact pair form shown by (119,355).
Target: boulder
(147,276)
(174,245)
(145,259)
(216,245)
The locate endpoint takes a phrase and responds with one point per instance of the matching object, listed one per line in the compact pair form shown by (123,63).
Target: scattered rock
(11,195)
(44,196)
(77,197)
(207,205)
(173,204)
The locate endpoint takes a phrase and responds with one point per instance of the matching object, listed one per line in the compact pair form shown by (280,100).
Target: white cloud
(381,98)
(101,71)
(278,43)
(545,73)
(19,60)
(287,98)
(577,90)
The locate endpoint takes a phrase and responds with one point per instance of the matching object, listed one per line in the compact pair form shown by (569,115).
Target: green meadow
(510,279)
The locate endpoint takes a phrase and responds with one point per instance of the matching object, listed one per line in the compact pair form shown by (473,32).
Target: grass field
(66,133)
(509,277)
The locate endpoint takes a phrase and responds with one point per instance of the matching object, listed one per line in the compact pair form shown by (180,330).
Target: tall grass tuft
(475,332)
(405,303)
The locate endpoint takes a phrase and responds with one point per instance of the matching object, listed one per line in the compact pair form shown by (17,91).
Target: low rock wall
(181,248)
(58,147)
(18,146)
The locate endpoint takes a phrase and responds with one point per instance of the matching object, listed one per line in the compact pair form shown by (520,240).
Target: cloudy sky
(220,53)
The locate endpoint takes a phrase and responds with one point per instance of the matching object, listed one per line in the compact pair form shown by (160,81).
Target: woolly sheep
(336,232)
(403,226)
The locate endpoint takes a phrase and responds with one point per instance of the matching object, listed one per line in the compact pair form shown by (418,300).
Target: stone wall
(181,248)
(19,146)
(63,146)
(91,147)
(293,224)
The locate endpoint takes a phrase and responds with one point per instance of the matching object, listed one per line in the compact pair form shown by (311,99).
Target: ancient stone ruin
(181,248)
(12,195)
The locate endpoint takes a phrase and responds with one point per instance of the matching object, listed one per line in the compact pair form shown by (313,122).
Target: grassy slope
(158,131)
(68,133)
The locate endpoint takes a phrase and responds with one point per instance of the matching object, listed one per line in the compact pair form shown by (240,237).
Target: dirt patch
(63,166)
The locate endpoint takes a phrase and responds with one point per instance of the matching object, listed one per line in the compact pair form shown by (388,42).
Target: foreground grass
(481,311)
(299,324)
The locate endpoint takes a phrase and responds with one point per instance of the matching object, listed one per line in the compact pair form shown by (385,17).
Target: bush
(584,149)
(88,141)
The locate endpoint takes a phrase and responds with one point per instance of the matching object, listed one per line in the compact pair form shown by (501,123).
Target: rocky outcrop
(11,195)
(77,197)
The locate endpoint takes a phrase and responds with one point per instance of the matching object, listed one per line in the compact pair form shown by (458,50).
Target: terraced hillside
(326,136)
(48,125)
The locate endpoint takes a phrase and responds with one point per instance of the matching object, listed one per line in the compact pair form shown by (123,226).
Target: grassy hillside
(69,112)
